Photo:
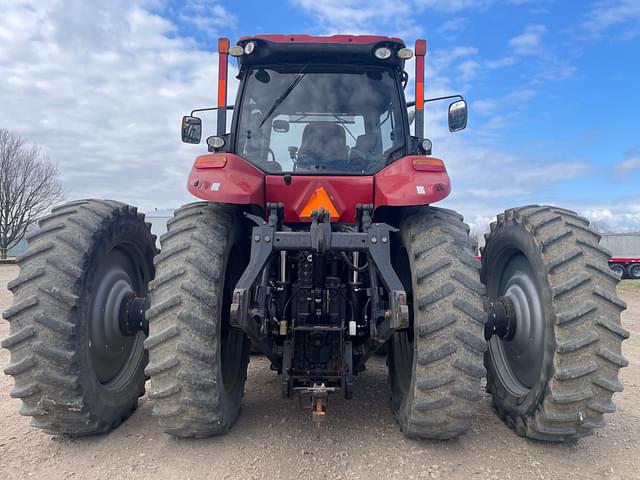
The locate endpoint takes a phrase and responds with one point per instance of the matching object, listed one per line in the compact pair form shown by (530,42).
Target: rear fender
(226,178)
(401,185)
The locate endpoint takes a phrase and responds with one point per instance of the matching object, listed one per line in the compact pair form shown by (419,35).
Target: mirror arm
(413,103)
(228,107)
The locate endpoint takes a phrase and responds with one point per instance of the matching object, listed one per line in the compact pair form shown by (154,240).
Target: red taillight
(211,161)
(428,165)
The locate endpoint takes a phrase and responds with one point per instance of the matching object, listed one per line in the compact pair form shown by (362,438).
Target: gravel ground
(360,440)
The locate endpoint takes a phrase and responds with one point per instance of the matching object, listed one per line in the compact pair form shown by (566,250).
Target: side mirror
(191,129)
(458,116)
(280,126)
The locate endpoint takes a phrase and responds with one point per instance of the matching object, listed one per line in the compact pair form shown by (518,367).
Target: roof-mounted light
(236,51)
(405,53)
(382,53)
(249,48)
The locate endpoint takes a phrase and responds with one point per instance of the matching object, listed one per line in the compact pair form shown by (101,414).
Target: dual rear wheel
(552,375)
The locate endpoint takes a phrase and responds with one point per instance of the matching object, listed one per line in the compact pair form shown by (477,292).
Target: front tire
(436,366)
(555,378)
(197,362)
(74,370)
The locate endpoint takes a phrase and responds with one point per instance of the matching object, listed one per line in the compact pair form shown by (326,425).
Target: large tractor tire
(552,378)
(435,367)
(197,362)
(74,369)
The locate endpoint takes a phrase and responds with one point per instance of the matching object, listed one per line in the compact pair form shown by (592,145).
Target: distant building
(622,244)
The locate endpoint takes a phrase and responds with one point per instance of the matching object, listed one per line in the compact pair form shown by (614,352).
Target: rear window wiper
(283,96)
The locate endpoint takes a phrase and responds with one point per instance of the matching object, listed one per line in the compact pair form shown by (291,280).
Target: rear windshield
(310,120)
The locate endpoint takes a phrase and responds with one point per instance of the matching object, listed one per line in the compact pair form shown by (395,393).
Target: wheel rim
(518,361)
(114,356)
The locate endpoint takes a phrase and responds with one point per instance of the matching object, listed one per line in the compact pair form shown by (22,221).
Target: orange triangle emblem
(317,200)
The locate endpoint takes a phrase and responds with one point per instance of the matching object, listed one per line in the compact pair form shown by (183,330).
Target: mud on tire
(70,380)
(435,368)
(568,388)
(197,363)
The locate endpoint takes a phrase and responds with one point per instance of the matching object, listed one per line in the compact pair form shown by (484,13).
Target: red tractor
(317,244)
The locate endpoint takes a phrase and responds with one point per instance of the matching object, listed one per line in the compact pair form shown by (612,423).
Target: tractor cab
(317,112)
(305,109)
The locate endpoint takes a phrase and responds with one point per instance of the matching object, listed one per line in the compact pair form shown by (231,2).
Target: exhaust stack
(223,68)
(421,52)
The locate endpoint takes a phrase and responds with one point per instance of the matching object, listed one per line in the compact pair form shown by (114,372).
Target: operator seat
(366,152)
(322,143)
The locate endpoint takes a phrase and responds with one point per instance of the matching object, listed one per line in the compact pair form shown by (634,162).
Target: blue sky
(550,85)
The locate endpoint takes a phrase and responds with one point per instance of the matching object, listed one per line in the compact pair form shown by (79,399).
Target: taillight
(428,165)
(211,161)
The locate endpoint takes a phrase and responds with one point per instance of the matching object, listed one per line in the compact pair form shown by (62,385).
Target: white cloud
(627,166)
(102,87)
(622,216)
(453,26)
(605,14)
(363,16)
(501,62)
(469,69)
(453,5)
(484,106)
(205,15)
(528,42)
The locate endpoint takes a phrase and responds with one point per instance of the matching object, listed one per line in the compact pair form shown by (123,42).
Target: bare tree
(28,187)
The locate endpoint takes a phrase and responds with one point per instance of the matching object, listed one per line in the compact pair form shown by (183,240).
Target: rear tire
(633,271)
(436,366)
(74,371)
(554,380)
(197,362)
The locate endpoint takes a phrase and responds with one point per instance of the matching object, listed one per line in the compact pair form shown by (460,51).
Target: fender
(411,180)
(226,178)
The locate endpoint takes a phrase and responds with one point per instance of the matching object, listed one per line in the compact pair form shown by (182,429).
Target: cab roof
(334,49)
(304,38)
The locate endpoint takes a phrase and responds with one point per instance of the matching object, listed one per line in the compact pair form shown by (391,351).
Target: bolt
(384,239)
(374,240)
(257,238)
(267,238)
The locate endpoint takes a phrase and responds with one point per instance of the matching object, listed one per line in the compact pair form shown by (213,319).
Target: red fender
(226,178)
(411,180)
